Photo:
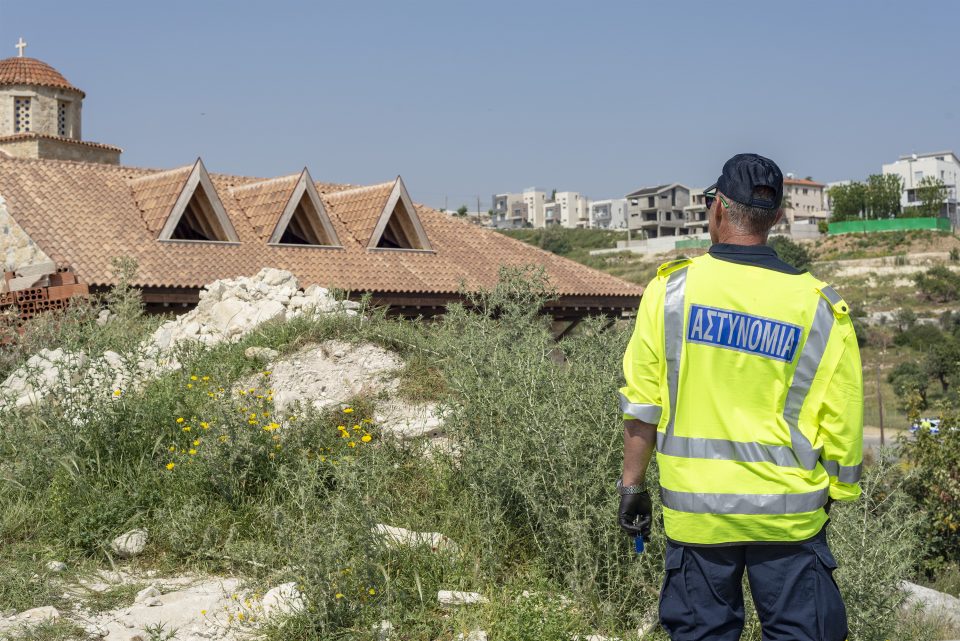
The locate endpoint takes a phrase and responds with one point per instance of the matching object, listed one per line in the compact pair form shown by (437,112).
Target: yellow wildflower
(205,378)
(186,428)
(243,392)
(351,444)
(171,465)
(117,392)
(204,425)
(203,613)
(211,394)
(180,419)
(339,595)
(240,616)
(172,448)
(189,385)
(192,451)
(371,591)
(348,410)
(196,441)
(366,438)
(323,459)
(194,377)
(267,373)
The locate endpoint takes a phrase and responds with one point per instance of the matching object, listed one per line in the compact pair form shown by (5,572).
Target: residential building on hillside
(658,211)
(806,200)
(915,167)
(695,214)
(573,209)
(188,227)
(508,211)
(518,210)
(608,214)
(534,199)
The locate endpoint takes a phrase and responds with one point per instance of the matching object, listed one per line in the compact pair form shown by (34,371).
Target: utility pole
(478,207)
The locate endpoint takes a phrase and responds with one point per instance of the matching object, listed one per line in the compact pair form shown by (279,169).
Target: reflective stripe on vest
(641,411)
(705,503)
(844,473)
(800,453)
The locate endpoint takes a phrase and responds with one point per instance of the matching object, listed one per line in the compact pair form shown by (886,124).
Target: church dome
(30,71)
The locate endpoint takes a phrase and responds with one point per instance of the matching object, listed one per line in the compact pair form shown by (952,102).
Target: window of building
(63,127)
(918,176)
(21,115)
(651,202)
(804,191)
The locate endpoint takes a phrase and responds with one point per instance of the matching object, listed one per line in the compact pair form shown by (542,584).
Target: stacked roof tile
(82,215)
(30,71)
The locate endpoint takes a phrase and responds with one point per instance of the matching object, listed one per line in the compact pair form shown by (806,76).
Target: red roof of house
(802,181)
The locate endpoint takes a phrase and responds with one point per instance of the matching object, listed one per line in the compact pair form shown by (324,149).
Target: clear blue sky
(471,98)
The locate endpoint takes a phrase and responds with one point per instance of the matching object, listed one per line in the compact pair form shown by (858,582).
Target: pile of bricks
(32,290)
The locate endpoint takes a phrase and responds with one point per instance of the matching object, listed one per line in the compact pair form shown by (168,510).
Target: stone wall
(50,149)
(16,248)
(43,110)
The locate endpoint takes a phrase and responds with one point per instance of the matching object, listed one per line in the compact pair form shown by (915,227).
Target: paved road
(871,437)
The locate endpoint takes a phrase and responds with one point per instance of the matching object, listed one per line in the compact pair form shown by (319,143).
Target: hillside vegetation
(525,491)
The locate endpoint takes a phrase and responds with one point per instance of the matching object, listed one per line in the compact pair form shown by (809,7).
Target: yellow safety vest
(753,379)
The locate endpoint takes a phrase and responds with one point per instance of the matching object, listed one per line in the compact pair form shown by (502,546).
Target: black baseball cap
(742,173)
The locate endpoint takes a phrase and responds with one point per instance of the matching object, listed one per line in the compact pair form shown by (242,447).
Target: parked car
(930,424)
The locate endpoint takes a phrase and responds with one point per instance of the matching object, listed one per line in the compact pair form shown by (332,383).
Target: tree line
(879,197)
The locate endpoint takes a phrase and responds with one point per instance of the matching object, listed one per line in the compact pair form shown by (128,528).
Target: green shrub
(791,252)
(934,485)
(939,284)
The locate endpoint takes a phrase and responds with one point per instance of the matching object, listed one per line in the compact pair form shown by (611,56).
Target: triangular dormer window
(399,227)
(198,213)
(304,220)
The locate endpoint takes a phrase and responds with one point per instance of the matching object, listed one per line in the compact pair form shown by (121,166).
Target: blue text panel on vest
(743,332)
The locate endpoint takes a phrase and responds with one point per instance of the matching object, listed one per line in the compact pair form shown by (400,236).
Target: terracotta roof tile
(30,71)
(360,208)
(32,135)
(263,201)
(84,214)
(802,181)
(157,193)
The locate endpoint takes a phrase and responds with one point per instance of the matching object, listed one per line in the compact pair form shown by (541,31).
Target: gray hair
(754,220)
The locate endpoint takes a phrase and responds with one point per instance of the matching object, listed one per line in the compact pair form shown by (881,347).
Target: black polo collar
(755,255)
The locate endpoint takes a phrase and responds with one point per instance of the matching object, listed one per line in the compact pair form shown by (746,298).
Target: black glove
(636,514)
(826,508)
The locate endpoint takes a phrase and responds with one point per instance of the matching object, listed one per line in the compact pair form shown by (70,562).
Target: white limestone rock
(397,537)
(261,353)
(935,605)
(39,615)
(283,599)
(57,567)
(129,544)
(453,597)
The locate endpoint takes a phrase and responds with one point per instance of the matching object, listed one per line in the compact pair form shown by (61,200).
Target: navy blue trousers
(792,587)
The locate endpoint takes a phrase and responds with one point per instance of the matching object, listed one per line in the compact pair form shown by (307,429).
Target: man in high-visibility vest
(744,374)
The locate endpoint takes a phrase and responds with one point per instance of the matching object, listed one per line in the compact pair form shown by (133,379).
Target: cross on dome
(21,45)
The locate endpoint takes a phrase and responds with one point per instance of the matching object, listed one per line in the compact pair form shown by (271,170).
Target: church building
(71,201)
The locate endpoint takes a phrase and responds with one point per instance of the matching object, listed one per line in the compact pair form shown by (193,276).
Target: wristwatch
(629,489)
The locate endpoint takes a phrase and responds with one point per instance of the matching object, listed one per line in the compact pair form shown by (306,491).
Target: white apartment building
(913,168)
(525,209)
(806,200)
(573,209)
(609,213)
